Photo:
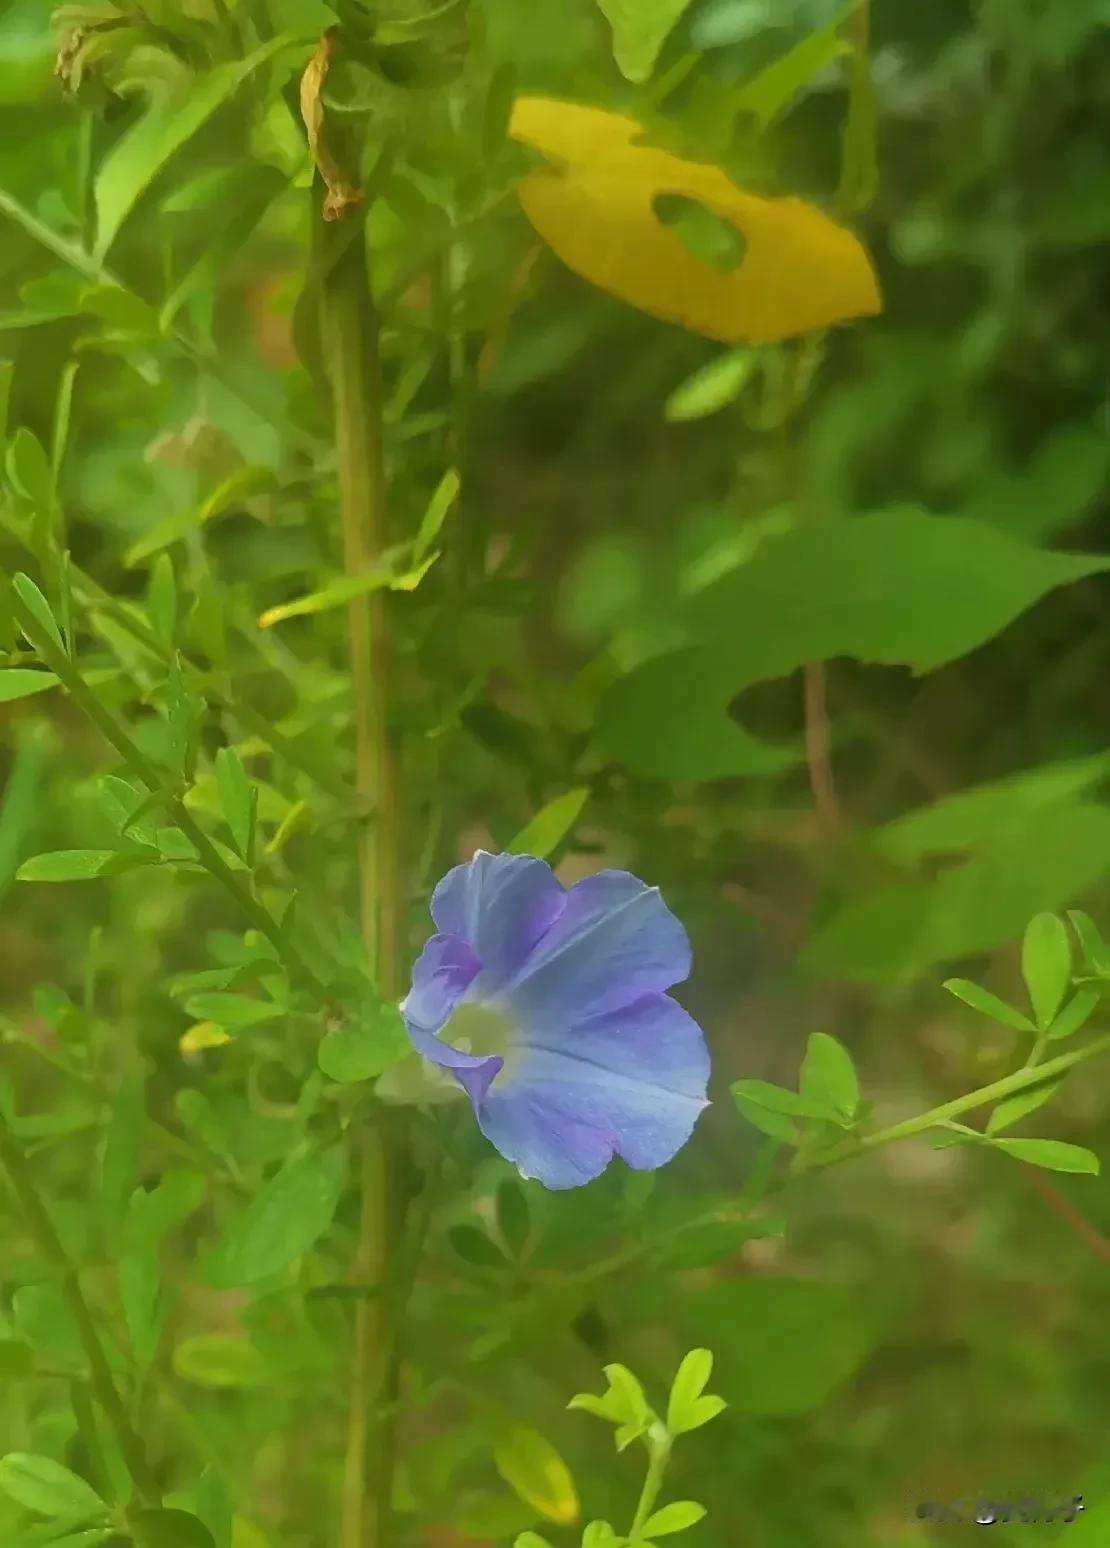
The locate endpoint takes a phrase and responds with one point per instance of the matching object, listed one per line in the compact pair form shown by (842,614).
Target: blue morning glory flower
(547,1005)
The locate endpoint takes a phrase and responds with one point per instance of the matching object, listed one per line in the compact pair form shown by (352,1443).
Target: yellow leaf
(204,1034)
(800,272)
(537,1474)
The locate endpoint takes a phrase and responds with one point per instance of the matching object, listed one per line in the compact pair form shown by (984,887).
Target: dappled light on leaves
(597,207)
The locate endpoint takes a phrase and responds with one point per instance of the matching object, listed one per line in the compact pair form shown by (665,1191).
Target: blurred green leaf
(283,1219)
(43,1486)
(829,1075)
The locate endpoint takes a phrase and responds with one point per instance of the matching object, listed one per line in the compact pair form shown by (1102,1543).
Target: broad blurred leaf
(864,586)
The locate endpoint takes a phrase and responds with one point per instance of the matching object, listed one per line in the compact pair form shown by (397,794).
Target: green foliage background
(653,537)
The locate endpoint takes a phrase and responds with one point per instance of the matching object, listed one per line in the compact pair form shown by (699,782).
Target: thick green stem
(100,1376)
(349,333)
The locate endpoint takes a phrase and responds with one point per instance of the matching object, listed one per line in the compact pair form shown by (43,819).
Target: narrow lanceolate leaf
(1046,965)
(1075,1014)
(988,1004)
(22,682)
(344,589)
(550,825)
(447,492)
(137,158)
(537,1474)
(1054,1155)
(39,608)
(777,86)
(829,1076)
(47,1488)
(1094,947)
(235,797)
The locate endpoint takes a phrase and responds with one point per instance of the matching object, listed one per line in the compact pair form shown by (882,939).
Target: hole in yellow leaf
(710,237)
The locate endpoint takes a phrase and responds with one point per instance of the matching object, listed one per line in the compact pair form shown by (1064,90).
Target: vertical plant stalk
(349,333)
(103,1386)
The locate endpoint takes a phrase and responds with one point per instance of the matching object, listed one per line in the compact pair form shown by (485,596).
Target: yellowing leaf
(640,28)
(343,589)
(597,211)
(204,1034)
(537,1474)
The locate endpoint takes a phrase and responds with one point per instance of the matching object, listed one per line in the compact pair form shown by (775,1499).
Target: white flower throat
(478,1028)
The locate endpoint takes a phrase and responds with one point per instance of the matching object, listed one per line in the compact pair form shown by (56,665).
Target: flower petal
(631,1082)
(546,1137)
(614,941)
(500,905)
(442,974)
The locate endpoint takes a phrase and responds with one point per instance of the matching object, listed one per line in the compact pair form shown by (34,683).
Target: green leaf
(344,589)
(1074,1015)
(1011,1109)
(171,1529)
(550,825)
(37,605)
(970,817)
(599,1534)
(829,1075)
(221,1361)
(989,1004)
(778,1099)
(896,931)
(773,90)
(22,682)
(65,865)
(1054,1155)
(29,468)
(47,1488)
(688,1385)
(1094,947)
(236,798)
(675,1517)
(859,586)
(286,1216)
(701,1411)
(139,155)
(767,1121)
(712,387)
(446,493)
(530,1540)
(640,28)
(1046,965)
(537,1474)
(161,599)
(232,1011)
(370,1042)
